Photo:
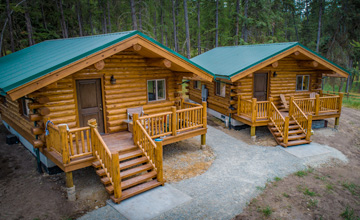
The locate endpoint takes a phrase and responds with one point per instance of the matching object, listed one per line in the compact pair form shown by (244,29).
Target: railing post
(286,129)
(115,164)
(317,104)
(271,100)
(203,136)
(239,105)
(341,96)
(173,121)
(182,103)
(291,105)
(253,110)
(308,130)
(64,144)
(92,124)
(321,93)
(135,117)
(159,161)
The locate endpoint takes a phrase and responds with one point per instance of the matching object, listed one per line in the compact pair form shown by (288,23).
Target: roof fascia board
(71,68)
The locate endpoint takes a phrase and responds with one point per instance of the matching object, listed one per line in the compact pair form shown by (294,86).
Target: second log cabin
(276,85)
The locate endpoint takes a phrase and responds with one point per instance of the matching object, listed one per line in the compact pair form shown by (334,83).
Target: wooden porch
(128,163)
(295,121)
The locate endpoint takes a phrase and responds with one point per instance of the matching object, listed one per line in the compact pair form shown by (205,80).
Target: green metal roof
(229,61)
(24,66)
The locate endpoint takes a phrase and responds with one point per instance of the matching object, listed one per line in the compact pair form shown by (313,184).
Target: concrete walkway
(223,191)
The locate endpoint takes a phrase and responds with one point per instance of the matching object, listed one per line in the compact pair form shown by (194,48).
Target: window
(197,84)
(302,82)
(24,107)
(220,89)
(156,89)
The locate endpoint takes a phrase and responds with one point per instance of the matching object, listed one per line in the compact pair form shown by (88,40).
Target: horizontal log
(37,143)
(37,130)
(165,63)
(35,117)
(42,99)
(43,111)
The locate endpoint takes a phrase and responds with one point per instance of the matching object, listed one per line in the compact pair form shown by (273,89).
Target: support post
(159,161)
(115,164)
(182,103)
(317,104)
(203,136)
(70,188)
(286,129)
(341,96)
(92,124)
(321,93)
(291,105)
(337,122)
(64,144)
(252,133)
(173,121)
(308,130)
(253,110)
(271,100)
(135,131)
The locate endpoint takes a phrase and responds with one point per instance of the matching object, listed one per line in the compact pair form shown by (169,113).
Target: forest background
(192,27)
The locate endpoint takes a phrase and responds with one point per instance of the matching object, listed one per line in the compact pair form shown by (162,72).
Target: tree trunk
(108,13)
(174,24)
(78,11)
(198,26)
(217,24)
(161,22)
(155,24)
(133,14)
(296,30)
(244,34)
(62,21)
(28,25)
(10,26)
(319,26)
(43,16)
(90,18)
(104,18)
(187,30)
(237,22)
(140,18)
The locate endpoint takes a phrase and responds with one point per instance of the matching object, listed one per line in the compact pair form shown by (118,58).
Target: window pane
(298,82)
(306,83)
(161,89)
(151,90)
(223,89)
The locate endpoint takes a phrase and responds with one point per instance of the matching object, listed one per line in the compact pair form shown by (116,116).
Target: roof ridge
(93,36)
(252,45)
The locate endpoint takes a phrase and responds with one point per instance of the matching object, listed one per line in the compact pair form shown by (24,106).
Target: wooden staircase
(296,135)
(136,172)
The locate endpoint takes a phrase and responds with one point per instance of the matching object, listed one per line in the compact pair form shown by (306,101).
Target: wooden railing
(303,121)
(253,109)
(188,105)
(53,139)
(157,125)
(306,105)
(281,123)
(79,142)
(109,161)
(329,104)
(323,103)
(145,142)
(189,118)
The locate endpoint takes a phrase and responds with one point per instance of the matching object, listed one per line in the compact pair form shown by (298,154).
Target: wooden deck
(119,142)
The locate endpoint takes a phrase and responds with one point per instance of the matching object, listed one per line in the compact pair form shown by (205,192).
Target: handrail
(157,125)
(145,143)
(189,118)
(253,109)
(109,161)
(301,119)
(307,105)
(80,138)
(53,139)
(281,124)
(320,104)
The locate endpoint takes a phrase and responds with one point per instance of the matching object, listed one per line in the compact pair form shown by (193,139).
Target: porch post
(182,103)
(253,118)
(203,136)
(70,188)
(64,144)
(173,121)
(135,131)
(308,129)
(291,105)
(92,123)
(271,100)
(286,130)
(159,160)
(317,104)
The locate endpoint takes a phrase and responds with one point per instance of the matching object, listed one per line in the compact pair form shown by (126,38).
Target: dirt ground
(322,193)
(26,194)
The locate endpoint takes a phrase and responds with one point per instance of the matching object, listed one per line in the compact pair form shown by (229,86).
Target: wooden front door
(260,86)
(89,100)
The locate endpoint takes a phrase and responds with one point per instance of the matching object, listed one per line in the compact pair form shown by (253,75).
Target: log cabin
(276,85)
(108,101)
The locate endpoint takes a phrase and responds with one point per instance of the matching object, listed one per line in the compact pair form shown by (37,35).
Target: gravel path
(234,177)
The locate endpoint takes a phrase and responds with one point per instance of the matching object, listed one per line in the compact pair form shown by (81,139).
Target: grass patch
(329,186)
(286,195)
(260,188)
(277,179)
(307,192)
(301,173)
(351,103)
(267,211)
(312,203)
(322,178)
(348,214)
(351,187)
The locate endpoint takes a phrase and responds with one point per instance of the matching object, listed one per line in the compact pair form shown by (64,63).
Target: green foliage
(286,195)
(307,192)
(277,179)
(312,203)
(301,173)
(349,214)
(267,211)
(352,187)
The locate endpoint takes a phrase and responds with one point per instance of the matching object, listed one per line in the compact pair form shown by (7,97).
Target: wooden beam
(165,63)
(136,47)
(308,63)
(99,65)
(275,64)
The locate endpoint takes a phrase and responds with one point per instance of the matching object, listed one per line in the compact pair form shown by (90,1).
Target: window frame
(196,82)
(156,90)
(216,88)
(302,83)
(24,107)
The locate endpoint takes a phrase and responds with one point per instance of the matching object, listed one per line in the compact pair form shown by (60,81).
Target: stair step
(290,123)
(96,164)
(292,127)
(294,143)
(133,162)
(293,137)
(105,180)
(130,155)
(128,148)
(136,170)
(133,181)
(290,132)
(136,190)
(100,172)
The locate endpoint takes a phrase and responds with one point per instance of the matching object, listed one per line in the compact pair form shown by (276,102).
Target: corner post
(116,174)
(135,127)
(182,103)
(317,104)
(159,161)
(286,129)
(341,96)
(239,105)
(271,100)
(308,130)
(321,93)
(291,105)
(64,144)
(253,110)
(173,120)
(203,136)
(92,124)
(70,188)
